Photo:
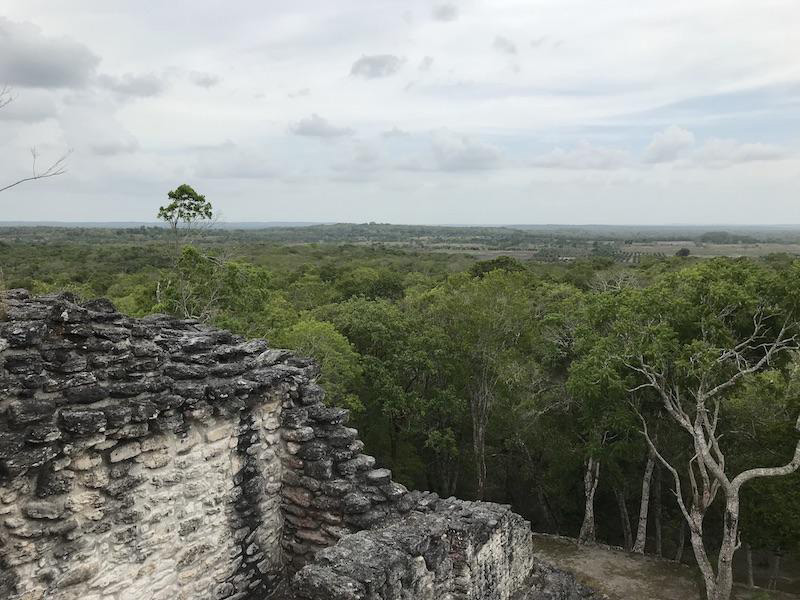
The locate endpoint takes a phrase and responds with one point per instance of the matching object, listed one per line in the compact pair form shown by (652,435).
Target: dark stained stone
(23,334)
(355,502)
(30,457)
(83,421)
(116,416)
(52,483)
(319,469)
(184,371)
(86,394)
(313,450)
(142,410)
(10,443)
(327,414)
(294,417)
(31,411)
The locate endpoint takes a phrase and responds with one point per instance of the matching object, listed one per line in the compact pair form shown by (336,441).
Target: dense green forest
(523,382)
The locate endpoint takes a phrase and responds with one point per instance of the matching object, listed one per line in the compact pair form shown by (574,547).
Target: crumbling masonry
(161,459)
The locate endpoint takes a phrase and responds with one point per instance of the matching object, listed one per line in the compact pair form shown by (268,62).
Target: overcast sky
(406,111)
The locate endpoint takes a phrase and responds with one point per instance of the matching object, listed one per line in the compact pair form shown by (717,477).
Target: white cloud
(129,84)
(376,66)
(205,80)
(726,152)
(29,106)
(395,132)
(91,127)
(364,160)
(426,63)
(316,126)
(445,12)
(669,145)
(505,45)
(245,82)
(29,58)
(228,161)
(458,152)
(584,156)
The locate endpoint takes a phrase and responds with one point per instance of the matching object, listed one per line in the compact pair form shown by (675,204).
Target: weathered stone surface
(483,549)
(355,502)
(103,442)
(43,509)
(327,414)
(85,394)
(159,458)
(83,421)
(379,476)
(30,411)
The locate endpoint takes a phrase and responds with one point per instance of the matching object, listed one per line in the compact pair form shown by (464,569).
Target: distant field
(627,253)
(710,250)
(625,245)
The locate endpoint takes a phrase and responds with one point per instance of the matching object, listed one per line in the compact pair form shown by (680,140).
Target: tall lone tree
(186,209)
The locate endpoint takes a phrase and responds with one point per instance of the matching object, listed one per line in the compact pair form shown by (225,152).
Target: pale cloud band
(414,113)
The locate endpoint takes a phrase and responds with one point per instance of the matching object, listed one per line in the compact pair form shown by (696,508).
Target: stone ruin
(162,459)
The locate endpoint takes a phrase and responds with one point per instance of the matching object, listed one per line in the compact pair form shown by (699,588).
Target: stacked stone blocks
(138,458)
(162,459)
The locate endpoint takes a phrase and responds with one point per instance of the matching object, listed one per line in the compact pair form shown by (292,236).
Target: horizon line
(311,223)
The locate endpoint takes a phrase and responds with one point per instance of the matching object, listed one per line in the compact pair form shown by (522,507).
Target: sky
(463,112)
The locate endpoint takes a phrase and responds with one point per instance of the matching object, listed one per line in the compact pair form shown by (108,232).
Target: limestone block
(125,451)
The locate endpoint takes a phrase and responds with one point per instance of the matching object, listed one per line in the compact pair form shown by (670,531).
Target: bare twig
(55,169)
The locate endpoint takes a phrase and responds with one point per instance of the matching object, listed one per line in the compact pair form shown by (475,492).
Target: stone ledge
(459,549)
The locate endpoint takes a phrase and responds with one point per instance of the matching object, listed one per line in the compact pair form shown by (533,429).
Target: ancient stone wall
(330,488)
(159,458)
(455,550)
(138,458)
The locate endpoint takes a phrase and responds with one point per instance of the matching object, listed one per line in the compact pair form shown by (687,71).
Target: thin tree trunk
(479,447)
(509,499)
(710,580)
(591,478)
(748,553)
(548,512)
(479,408)
(775,572)
(681,542)
(641,530)
(657,510)
(728,547)
(624,518)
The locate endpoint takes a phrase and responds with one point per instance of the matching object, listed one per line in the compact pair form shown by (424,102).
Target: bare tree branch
(678,491)
(54,170)
(780,344)
(6,97)
(787,469)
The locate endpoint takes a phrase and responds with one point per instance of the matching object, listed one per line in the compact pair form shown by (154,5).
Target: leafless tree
(644,504)
(5,96)
(591,479)
(53,170)
(614,281)
(697,411)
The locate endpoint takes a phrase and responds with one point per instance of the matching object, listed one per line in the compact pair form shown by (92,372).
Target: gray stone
(83,421)
(379,476)
(198,449)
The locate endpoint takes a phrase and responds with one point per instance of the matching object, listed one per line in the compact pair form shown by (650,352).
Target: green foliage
(340,363)
(501,263)
(186,206)
(370,283)
(404,337)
